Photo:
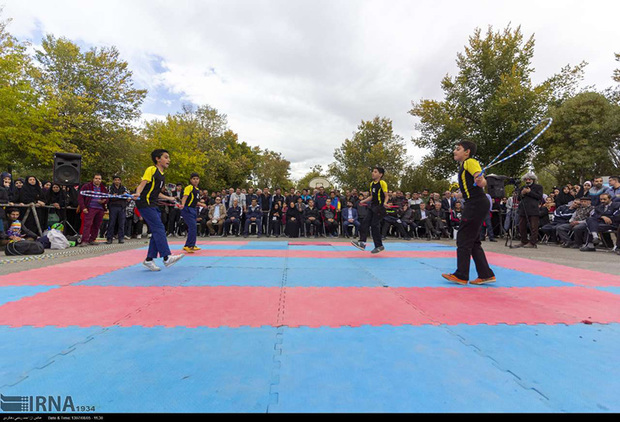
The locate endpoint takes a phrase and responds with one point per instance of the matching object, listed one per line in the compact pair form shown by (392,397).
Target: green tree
(374,143)
(490,101)
(94,100)
(272,170)
(28,142)
(416,178)
(584,140)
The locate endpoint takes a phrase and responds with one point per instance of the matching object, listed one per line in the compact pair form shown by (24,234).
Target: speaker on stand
(67,171)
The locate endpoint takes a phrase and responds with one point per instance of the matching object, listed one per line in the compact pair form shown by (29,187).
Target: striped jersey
(466,179)
(155,183)
(378,191)
(193,195)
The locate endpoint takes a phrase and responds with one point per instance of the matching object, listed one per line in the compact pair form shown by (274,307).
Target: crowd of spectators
(573,216)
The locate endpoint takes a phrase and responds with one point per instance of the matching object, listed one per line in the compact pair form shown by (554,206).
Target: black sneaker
(359,245)
(377,249)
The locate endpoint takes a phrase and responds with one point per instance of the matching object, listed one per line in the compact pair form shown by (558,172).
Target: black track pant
(468,243)
(372,223)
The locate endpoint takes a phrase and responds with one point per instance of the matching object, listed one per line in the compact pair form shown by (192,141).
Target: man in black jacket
(116,208)
(529,202)
(233,218)
(312,219)
(606,216)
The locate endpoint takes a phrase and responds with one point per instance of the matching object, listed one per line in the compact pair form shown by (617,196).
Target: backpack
(23,247)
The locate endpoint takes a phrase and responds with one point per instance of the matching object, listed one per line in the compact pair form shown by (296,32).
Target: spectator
(329,216)
(421,219)
(606,216)
(596,190)
(13,229)
(561,215)
(233,219)
(274,219)
(254,216)
(436,225)
(92,210)
(528,211)
(31,193)
(217,216)
(312,219)
(55,197)
(293,218)
(174,213)
(202,216)
(456,214)
(350,217)
(487,225)
(576,224)
(406,215)
(320,198)
(564,197)
(416,200)
(116,208)
(614,188)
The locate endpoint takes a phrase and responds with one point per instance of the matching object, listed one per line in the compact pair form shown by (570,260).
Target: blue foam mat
(15,293)
(364,369)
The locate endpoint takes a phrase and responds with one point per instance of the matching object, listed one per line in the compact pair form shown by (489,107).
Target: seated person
(406,215)
(421,216)
(217,216)
(435,224)
(329,216)
(456,214)
(606,216)
(233,219)
(561,215)
(254,215)
(312,219)
(275,216)
(576,224)
(14,230)
(350,218)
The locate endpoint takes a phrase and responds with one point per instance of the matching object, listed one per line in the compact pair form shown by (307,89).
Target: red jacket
(84,201)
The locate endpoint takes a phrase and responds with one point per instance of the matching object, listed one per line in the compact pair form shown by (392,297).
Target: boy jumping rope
(476,208)
(147,194)
(376,212)
(189,202)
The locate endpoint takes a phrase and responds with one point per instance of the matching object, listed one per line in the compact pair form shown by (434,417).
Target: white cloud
(298,77)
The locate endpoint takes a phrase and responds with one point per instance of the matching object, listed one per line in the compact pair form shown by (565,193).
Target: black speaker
(495,186)
(67,168)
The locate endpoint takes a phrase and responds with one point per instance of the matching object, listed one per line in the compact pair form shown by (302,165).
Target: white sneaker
(151,266)
(139,236)
(172,259)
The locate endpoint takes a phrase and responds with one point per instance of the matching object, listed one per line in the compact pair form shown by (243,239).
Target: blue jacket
(254,212)
(345,214)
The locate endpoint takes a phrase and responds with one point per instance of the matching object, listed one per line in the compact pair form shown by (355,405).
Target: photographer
(529,214)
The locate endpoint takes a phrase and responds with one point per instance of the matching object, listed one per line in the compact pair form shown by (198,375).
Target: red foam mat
(555,271)
(309,306)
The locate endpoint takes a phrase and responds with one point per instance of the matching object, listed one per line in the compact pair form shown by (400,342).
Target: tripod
(64,221)
(510,235)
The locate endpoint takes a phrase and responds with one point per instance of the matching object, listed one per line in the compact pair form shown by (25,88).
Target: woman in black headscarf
(564,197)
(275,215)
(31,193)
(293,217)
(55,197)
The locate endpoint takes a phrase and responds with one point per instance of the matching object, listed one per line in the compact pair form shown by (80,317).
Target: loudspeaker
(67,168)
(495,186)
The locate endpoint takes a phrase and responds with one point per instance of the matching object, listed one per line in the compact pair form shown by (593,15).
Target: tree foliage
(490,101)
(373,144)
(584,140)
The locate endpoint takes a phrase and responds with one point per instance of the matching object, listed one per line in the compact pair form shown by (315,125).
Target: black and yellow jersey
(378,191)
(155,183)
(466,179)
(193,195)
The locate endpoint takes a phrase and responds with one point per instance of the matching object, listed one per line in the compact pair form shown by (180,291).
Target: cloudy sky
(298,76)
